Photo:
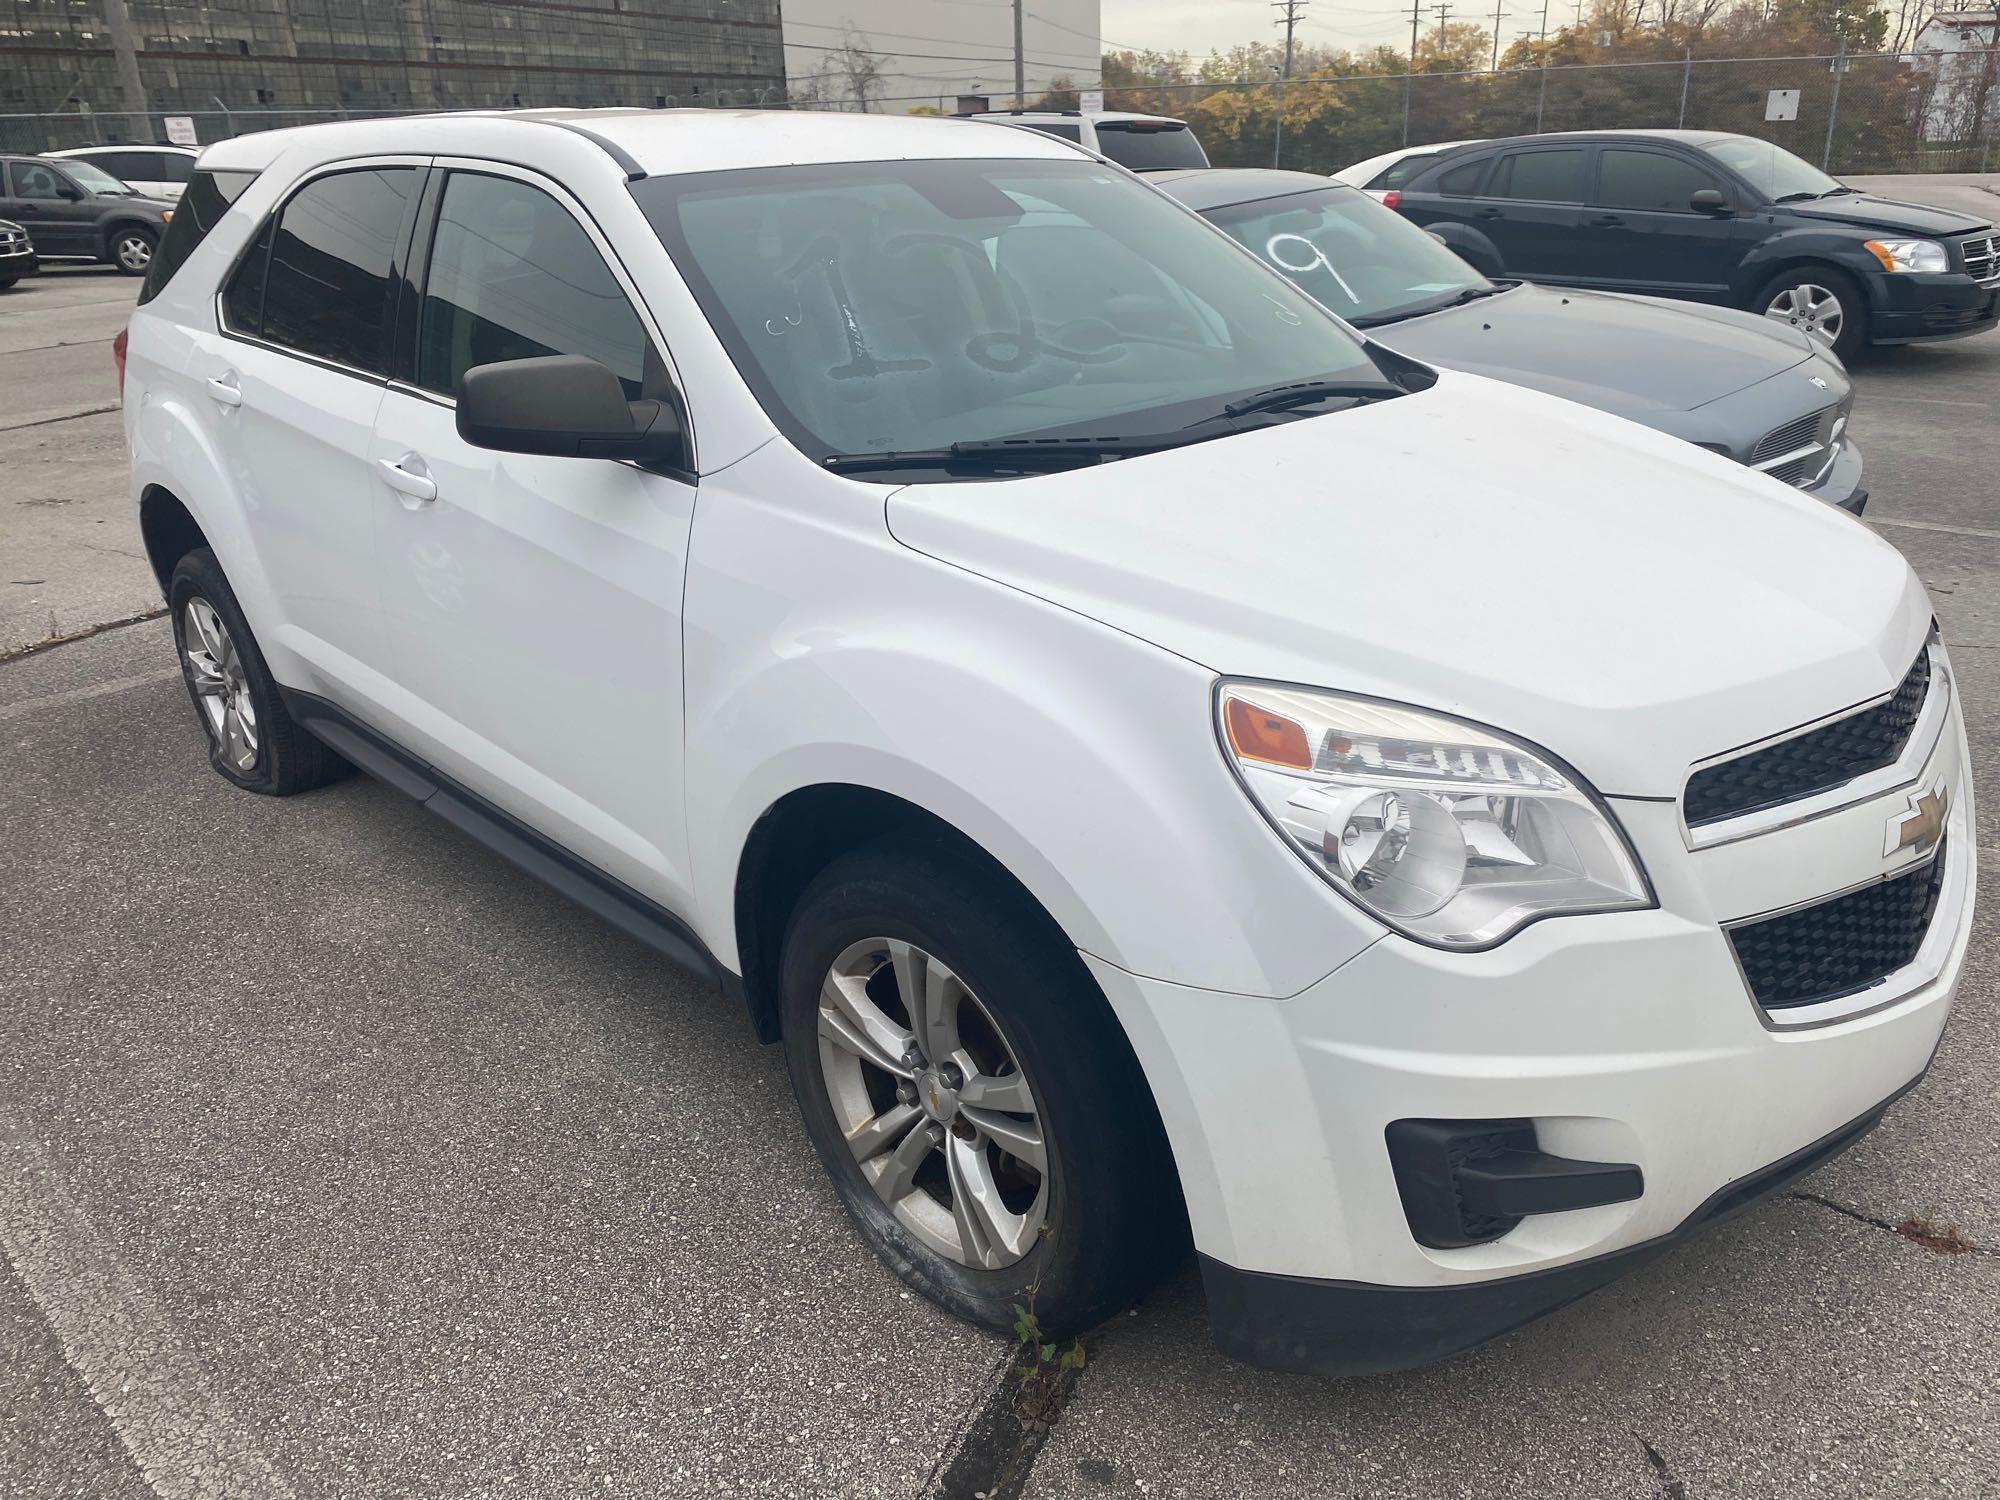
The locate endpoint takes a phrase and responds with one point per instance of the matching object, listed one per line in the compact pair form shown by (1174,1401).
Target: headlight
(1450,833)
(1909,255)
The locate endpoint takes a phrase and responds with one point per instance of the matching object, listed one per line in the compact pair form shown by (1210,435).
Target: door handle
(419,487)
(1604,221)
(1489,213)
(224,390)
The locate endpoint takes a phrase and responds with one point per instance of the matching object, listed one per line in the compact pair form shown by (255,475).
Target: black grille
(1841,945)
(1982,259)
(1793,435)
(1809,763)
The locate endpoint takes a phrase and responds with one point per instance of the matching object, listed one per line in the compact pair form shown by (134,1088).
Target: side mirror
(1708,201)
(69,191)
(565,406)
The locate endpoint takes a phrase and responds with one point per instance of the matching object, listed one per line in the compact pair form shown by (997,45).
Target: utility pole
(1545,20)
(1498,16)
(1020,68)
(1833,106)
(1410,71)
(1292,9)
(118,22)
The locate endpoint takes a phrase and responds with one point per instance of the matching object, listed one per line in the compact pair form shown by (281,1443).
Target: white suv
(1156,761)
(1144,143)
(159,171)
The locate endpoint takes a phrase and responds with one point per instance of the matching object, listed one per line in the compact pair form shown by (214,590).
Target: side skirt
(605,896)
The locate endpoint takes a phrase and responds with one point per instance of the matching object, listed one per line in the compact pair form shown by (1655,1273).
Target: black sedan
(1762,393)
(1725,219)
(17,254)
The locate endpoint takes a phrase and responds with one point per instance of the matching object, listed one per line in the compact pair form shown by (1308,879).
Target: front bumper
(20,263)
(1905,308)
(1842,484)
(1628,1037)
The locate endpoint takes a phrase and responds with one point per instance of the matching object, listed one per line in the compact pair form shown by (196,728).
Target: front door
(1650,236)
(532,605)
(52,207)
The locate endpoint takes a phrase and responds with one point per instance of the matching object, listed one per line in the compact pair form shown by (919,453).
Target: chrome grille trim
(1802,450)
(1982,259)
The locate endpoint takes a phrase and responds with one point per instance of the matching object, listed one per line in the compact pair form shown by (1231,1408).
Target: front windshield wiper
(1003,453)
(1305,392)
(1424,309)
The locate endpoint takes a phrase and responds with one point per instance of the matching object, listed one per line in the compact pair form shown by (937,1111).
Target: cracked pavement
(337,1158)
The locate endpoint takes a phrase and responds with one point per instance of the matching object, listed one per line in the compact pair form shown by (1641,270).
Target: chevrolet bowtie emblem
(1922,826)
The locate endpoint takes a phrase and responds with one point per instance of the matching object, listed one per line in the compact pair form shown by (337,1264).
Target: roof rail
(627,162)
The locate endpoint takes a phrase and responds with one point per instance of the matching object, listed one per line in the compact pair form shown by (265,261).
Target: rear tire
(1827,305)
(252,739)
(7,281)
(1006,996)
(131,248)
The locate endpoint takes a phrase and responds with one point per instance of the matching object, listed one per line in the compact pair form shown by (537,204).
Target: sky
(1201,26)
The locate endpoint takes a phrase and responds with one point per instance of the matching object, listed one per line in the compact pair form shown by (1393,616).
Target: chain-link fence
(1881,112)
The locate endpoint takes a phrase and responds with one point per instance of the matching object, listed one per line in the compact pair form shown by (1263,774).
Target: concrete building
(252,64)
(1963,48)
(900,55)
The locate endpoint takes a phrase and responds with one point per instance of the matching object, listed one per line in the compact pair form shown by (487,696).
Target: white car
(1378,175)
(160,171)
(1144,143)
(1156,761)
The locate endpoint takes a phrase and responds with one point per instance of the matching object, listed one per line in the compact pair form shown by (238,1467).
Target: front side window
(1540,176)
(33,180)
(326,290)
(1367,263)
(513,276)
(1648,180)
(1145,146)
(126,166)
(901,306)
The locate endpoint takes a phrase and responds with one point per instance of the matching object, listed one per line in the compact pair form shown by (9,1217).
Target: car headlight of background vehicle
(1909,255)
(1450,833)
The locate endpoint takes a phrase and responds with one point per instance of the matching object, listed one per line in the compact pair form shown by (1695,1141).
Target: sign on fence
(1091,101)
(180,130)
(1782,104)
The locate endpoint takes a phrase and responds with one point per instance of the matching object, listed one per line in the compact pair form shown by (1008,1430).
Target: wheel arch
(168,529)
(1783,254)
(1468,244)
(124,221)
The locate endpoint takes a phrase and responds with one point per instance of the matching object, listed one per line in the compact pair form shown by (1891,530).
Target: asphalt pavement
(339,1159)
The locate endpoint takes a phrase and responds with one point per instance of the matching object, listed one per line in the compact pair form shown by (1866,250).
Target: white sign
(1091,101)
(180,130)
(1783,104)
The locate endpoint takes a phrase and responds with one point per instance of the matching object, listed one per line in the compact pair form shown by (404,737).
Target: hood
(1871,212)
(1614,595)
(1582,345)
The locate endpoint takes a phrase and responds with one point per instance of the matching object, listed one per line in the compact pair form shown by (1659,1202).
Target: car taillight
(118,355)
(1393,198)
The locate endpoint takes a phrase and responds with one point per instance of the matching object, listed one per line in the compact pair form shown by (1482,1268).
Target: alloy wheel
(134,251)
(933,1103)
(221,691)
(1811,307)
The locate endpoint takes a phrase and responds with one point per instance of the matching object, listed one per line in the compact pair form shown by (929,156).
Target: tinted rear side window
(1649,179)
(1071,133)
(175,168)
(1540,176)
(201,208)
(327,290)
(1150,148)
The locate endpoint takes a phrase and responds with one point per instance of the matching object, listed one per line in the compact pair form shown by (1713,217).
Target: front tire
(1825,304)
(252,739)
(992,1136)
(131,248)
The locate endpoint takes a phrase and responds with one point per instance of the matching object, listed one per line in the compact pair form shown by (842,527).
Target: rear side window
(174,167)
(326,288)
(513,276)
(1145,147)
(201,208)
(1540,176)
(1462,181)
(1071,133)
(128,165)
(1397,173)
(1648,180)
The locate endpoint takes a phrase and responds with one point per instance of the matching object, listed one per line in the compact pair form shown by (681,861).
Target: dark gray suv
(72,209)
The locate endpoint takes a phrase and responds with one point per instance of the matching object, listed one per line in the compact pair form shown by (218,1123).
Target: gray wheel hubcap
(221,692)
(134,252)
(933,1103)
(1811,307)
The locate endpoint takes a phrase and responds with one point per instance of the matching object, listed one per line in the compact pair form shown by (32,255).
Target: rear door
(1648,237)
(1532,210)
(293,381)
(533,604)
(55,210)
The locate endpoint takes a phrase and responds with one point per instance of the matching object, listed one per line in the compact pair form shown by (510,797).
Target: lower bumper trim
(1320,1327)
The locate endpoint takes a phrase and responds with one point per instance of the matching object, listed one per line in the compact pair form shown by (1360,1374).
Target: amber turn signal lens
(1258,734)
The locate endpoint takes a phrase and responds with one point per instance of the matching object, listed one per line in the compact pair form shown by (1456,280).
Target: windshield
(1772,170)
(1366,262)
(896,307)
(94,179)
(1146,147)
